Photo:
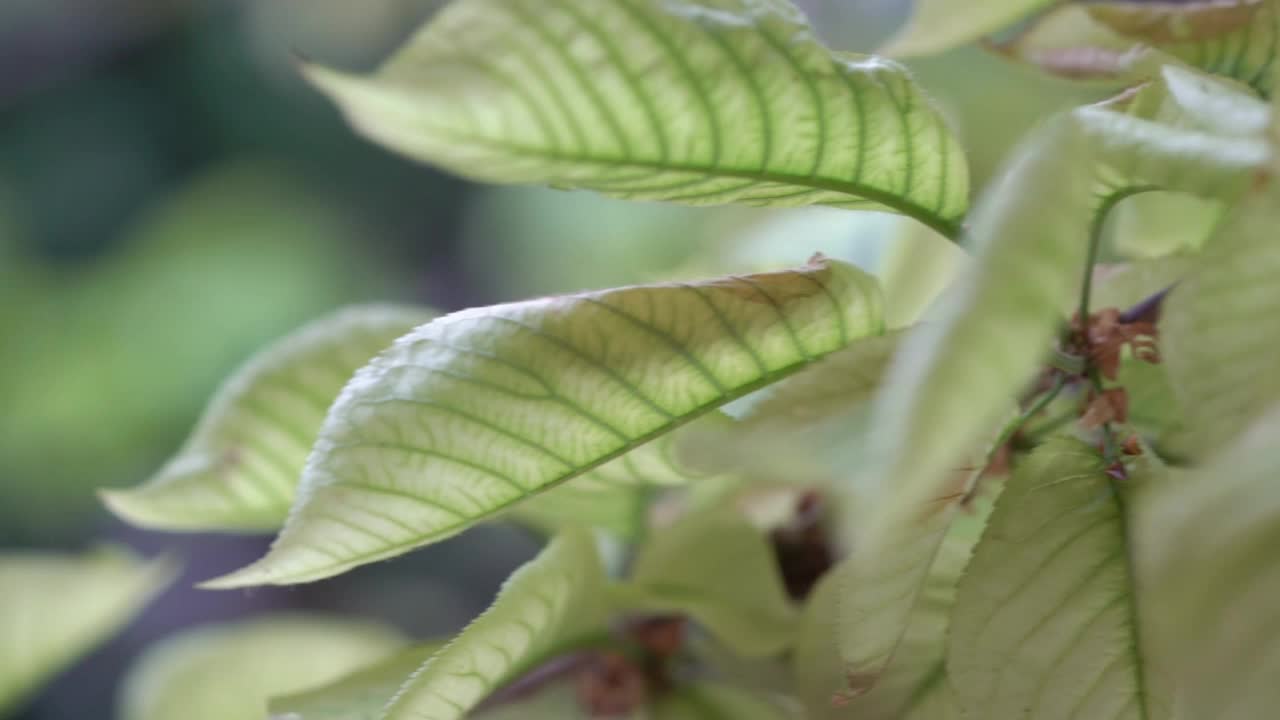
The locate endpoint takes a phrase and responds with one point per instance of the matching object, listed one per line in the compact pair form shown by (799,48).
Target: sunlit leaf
(472,413)
(1156,224)
(720,570)
(360,695)
(1220,328)
(693,101)
(710,701)
(55,608)
(938,25)
(1047,619)
(554,601)
(229,671)
(1208,540)
(240,467)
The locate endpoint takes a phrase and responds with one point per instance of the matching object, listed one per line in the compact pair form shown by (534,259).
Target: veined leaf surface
(240,468)
(54,608)
(1047,620)
(720,570)
(229,671)
(558,598)
(1208,540)
(691,101)
(938,25)
(474,412)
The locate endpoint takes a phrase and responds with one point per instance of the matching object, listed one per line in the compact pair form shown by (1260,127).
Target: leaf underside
(707,102)
(472,413)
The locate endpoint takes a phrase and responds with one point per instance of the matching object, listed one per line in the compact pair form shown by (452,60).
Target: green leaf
(698,102)
(1101,40)
(1047,621)
(229,671)
(711,701)
(1220,328)
(56,608)
(920,266)
(360,695)
(720,570)
(239,469)
(1207,541)
(1157,224)
(472,413)
(553,602)
(938,25)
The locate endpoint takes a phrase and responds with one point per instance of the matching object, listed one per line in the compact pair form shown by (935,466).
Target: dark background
(172,197)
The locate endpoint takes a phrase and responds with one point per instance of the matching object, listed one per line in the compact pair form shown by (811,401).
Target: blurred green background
(172,197)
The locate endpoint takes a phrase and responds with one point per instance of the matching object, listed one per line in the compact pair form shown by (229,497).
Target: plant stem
(1016,424)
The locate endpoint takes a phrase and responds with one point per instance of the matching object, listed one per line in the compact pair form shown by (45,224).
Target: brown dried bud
(611,686)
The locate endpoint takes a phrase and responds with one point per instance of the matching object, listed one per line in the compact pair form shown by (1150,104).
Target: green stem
(1016,424)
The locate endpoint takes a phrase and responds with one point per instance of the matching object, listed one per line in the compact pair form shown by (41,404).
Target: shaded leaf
(240,467)
(472,413)
(938,25)
(55,608)
(1207,540)
(710,701)
(553,602)
(1047,622)
(360,695)
(920,266)
(1157,224)
(698,102)
(720,570)
(229,671)
(1220,328)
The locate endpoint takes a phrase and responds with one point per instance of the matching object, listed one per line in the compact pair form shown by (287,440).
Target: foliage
(1012,483)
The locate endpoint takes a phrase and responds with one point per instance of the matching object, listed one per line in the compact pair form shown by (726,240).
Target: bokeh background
(173,197)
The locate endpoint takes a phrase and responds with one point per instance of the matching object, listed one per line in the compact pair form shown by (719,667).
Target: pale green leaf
(692,101)
(711,701)
(55,608)
(239,469)
(938,25)
(914,685)
(1157,224)
(1220,328)
(472,413)
(1047,620)
(623,511)
(1208,540)
(229,671)
(554,601)
(720,570)
(921,264)
(360,695)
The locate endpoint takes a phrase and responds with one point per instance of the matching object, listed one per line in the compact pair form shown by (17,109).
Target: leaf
(55,608)
(720,570)
(954,379)
(554,601)
(938,25)
(1047,622)
(1208,541)
(228,671)
(1157,224)
(1101,39)
(914,686)
(710,701)
(472,413)
(921,265)
(360,695)
(1220,329)
(239,469)
(697,102)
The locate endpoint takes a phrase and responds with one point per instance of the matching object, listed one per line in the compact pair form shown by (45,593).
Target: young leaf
(470,414)
(55,608)
(710,701)
(938,25)
(555,600)
(1220,328)
(1208,542)
(692,101)
(1158,224)
(239,469)
(360,695)
(229,671)
(1047,621)
(718,569)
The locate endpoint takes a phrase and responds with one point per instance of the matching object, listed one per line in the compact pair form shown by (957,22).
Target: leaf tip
(258,573)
